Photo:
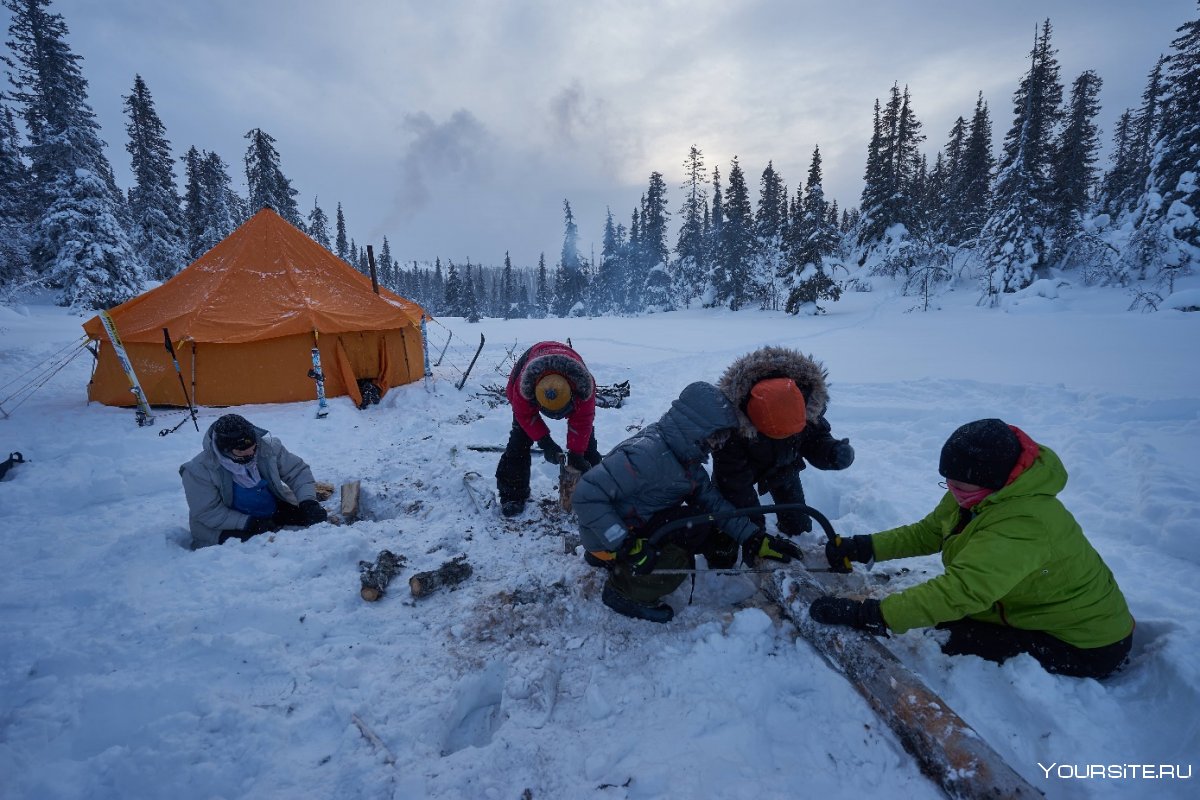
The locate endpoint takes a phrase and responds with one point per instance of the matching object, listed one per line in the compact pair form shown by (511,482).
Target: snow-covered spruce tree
(545,296)
(80,238)
(714,232)
(1166,240)
(219,207)
(1037,113)
(813,240)
(507,299)
(1073,169)
(890,203)
(265,179)
(453,296)
(570,281)
(691,264)
(318,226)
(735,248)
(770,220)
(16,203)
(154,202)
(1008,243)
(610,276)
(972,186)
(386,265)
(655,292)
(341,243)
(470,295)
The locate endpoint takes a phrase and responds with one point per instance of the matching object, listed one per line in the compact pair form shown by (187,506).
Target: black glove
(841,550)
(841,455)
(313,513)
(577,462)
(639,554)
(257,525)
(864,615)
(793,523)
(550,449)
(763,546)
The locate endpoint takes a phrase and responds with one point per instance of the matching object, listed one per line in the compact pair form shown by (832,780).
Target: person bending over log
(1020,576)
(651,479)
(780,396)
(245,482)
(551,380)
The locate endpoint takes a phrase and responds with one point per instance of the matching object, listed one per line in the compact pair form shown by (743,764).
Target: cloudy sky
(457,128)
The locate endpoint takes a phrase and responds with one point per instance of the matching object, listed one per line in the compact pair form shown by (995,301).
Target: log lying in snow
(947,748)
(376,577)
(449,574)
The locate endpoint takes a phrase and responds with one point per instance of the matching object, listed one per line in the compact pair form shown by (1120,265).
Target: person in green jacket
(1020,576)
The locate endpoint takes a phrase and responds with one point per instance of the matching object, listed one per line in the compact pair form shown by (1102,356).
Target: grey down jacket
(209,487)
(660,467)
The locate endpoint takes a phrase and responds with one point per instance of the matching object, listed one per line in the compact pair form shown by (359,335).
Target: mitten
(313,512)
(550,449)
(841,454)
(639,554)
(764,546)
(577,462)
(865,615)
(257,525)
(841,551)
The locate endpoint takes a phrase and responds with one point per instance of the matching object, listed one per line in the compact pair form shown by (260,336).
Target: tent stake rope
(57,362)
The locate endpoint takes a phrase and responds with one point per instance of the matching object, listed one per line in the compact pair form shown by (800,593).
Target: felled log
(350,498)
(451,573)
(948,750)
(375,577)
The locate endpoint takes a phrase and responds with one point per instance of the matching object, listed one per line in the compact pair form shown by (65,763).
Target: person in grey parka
(245,482)
(647,481)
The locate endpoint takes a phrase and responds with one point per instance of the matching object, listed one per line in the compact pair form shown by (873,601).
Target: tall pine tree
(16,193)
(735,251)
(265,179)
(318,226)
(81,242)
(691,265)
(154,200)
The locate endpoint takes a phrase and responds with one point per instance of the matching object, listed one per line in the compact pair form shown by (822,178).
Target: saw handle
(660,534)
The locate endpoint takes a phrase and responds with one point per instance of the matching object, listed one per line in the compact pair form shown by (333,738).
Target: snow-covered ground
(133,667)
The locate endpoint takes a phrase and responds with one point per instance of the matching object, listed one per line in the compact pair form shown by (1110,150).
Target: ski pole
(179,374)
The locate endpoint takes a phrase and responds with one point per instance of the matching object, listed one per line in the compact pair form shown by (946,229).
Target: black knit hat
(233,432)
(982,452)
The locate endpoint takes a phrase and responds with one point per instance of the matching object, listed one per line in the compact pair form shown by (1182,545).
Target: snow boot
(511,508)
(634,610)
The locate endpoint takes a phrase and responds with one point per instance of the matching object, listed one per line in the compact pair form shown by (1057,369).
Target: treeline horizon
(925,221)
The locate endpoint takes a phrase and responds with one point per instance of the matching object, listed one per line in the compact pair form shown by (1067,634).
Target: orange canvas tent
(244,318)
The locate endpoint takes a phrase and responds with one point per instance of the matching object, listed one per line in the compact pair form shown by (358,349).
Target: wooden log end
(370,594)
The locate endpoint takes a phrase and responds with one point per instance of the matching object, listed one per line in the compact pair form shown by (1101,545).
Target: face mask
(969,499)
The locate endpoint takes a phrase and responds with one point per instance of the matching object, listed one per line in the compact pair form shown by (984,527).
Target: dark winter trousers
(285,514)
(999,643)
(512,473)
(679,552)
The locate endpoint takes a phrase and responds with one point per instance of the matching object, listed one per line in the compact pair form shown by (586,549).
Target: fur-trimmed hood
(547,358)
(809,374)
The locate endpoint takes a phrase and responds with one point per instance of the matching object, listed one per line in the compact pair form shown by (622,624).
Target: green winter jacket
(1022,560)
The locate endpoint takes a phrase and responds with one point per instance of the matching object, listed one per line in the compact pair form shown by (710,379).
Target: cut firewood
(350,497)
(324,490)
(948,750)
(451,573)
(375,577)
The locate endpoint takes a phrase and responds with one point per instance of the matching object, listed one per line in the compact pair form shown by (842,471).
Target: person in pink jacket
(548,380)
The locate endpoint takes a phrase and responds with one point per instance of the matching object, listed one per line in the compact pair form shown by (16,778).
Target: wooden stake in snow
(350,496)
(451,573)
(948,749)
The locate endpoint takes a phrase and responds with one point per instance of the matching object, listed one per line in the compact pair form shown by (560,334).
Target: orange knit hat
(776,407)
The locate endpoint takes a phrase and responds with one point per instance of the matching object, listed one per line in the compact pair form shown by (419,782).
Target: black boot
(511,508)
(630,608)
